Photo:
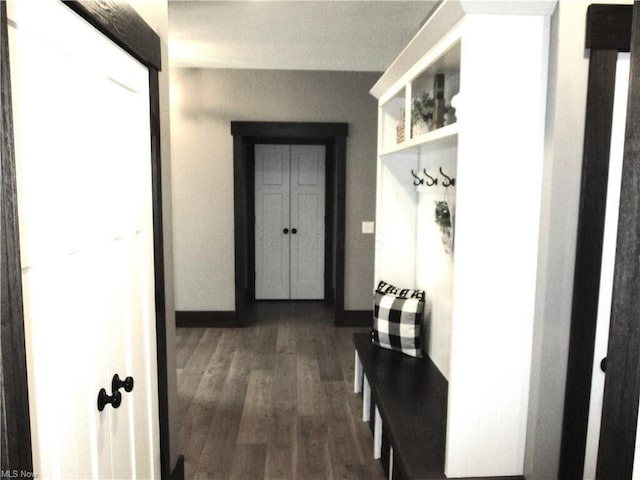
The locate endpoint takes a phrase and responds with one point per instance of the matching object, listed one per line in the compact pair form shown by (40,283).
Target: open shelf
(432,91)
(393,121)
(420,110)
(442,135)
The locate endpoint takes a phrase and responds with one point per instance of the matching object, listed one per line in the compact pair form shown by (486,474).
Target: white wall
(155,14)
(434,265)
(204,102)
(568,69)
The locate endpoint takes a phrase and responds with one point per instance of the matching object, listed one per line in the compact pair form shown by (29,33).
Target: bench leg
(357,375)
(366,399)
(390,463)
(377,435)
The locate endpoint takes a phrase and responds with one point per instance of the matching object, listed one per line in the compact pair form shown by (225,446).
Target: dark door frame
(122,25)
(608,33)
(245,136)
(14,400)
(616,450)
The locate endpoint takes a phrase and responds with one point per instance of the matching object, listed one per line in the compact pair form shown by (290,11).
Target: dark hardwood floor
(274,400)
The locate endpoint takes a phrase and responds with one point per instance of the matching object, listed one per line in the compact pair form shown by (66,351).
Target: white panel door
(83,159)
(272,198)
(307,221)
(289,224)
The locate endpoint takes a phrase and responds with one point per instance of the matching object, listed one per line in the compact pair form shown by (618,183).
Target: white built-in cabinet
(481,287)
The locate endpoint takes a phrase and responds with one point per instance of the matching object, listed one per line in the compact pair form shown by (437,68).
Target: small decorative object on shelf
(400,128)
(450,115)
(450,111)
(438,100)
(444,221)
(422,114)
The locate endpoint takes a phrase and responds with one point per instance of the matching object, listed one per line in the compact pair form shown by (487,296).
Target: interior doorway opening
(246,136)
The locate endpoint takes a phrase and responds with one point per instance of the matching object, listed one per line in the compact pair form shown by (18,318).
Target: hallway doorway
(247,135)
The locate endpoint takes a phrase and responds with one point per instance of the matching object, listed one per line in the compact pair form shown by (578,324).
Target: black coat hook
(431,181)
(448,181)
(417,180)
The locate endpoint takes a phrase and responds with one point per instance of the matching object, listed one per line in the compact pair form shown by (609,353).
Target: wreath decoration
(443,214)
(444,221)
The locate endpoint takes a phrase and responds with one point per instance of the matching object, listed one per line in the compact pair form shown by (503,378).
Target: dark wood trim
(616,450)
(246,135)
(355,318)
(593,196)
(609,27)
(122,25)
(517,477)
(250,231)
(15,430)
(241,227)
(204,319)
(178,471)
(608,33)
(277,130)
(329,224)
(340,233)
(158,251)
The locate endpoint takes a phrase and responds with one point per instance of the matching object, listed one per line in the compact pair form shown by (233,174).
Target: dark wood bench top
(411,395)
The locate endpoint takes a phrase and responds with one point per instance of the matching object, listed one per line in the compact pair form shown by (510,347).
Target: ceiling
(362,35)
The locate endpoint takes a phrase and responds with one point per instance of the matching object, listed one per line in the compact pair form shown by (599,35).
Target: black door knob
(285,231)
(117,384)
(103,399)
(115,399)
(294,230)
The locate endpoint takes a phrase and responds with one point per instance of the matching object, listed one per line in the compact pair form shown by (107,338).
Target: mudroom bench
(404,399)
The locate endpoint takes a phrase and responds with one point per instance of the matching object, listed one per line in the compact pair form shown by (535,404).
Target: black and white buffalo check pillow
(397,319)
(387,288)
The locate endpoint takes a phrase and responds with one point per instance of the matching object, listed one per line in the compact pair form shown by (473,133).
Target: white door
(290,216)
(272,199)
(83,159)
(307,221)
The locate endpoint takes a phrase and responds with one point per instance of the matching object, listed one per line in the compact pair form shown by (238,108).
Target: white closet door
(83,159)
(307,221)
(290,210)
(272,197)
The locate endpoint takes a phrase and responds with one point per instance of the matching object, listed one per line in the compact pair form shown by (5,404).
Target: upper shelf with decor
(417,94)
(425,101)
(433,94)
